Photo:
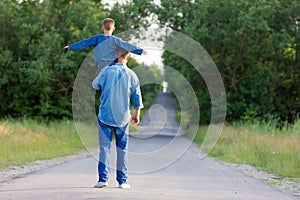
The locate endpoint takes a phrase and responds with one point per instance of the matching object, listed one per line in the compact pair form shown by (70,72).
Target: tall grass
(260,144)
(27,140)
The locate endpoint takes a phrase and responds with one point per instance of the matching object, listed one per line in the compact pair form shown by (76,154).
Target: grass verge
(261,145)
(26,140)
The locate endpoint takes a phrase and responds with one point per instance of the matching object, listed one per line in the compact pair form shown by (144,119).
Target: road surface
(161,166)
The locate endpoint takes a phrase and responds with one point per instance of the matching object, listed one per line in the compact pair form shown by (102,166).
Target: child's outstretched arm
(82,44)
(130,47)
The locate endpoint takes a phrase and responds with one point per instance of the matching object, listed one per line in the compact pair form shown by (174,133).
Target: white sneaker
(101,184)
(124,186)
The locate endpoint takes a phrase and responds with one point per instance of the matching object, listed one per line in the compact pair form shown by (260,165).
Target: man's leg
(105,137)
(122,146)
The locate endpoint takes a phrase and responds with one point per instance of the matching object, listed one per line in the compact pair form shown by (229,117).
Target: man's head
(108,26)
(122,56)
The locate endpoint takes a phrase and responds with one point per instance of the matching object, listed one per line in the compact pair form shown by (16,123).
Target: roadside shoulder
(289,186)
(13,172)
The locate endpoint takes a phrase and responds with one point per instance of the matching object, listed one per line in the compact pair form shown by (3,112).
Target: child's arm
(130,47)
(82,44)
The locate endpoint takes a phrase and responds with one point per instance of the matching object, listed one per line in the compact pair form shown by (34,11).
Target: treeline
(36,75)
(256,47)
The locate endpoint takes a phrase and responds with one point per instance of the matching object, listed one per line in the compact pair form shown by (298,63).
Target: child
(119,86)
(105,45)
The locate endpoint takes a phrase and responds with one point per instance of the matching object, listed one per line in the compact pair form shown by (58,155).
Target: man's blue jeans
(105,133)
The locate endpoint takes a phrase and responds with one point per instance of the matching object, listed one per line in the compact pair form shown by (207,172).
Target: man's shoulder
(103,71)
(109,68)
(132,73)
(130,70)
(123,67)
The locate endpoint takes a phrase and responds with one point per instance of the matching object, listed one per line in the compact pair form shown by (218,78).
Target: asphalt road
(162,164)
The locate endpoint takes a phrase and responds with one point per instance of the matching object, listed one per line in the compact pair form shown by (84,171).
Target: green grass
(261,145)
(28,140)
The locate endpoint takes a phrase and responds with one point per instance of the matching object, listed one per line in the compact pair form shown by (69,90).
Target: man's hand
(135,119)
(145,52)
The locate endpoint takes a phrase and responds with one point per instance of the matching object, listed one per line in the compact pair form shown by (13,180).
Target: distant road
(161,168)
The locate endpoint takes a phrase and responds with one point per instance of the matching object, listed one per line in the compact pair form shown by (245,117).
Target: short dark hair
(108,23)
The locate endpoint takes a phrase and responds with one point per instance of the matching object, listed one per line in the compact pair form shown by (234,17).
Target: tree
(36,76)
(254,45)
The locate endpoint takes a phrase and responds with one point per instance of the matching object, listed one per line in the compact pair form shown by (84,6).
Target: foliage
(262,145)
(36,75)
(132,14)
(255,45)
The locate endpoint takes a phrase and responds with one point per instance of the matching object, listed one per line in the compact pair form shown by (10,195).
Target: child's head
(108,25)
(122,55)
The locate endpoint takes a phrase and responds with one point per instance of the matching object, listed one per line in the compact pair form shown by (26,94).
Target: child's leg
(122,146)
(105,137)
(101,65)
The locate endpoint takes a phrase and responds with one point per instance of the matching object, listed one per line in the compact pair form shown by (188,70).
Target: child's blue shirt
(105,48)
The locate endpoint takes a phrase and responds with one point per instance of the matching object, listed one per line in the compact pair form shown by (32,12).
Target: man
(119,86)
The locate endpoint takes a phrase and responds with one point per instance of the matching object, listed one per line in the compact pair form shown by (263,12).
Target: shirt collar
(121,64)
